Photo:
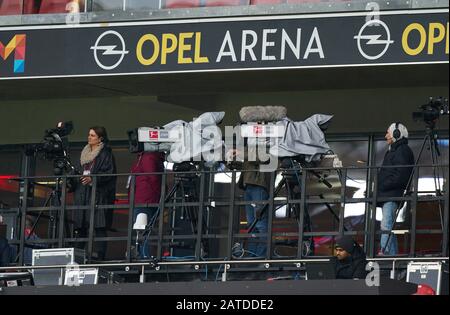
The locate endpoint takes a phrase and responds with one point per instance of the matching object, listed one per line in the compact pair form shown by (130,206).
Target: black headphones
(396,133)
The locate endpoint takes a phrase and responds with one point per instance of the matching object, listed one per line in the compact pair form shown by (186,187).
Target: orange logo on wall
(18,45)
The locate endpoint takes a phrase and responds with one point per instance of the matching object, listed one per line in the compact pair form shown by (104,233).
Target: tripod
(430,140)
(185,189)
(291,182)
(53,200)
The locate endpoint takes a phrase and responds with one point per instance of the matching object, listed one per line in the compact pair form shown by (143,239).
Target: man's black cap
(346,242)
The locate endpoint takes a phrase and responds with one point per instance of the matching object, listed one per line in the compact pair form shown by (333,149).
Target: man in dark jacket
(392,181)
(350,259)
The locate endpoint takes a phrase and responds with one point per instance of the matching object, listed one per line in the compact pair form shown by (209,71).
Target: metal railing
(164,234)
(151,265)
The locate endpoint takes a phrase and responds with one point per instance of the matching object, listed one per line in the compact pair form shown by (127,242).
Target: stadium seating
(53,6)
(10,7)
(14,7)
(174,4)
(224,3)
(303,1)
(256,2)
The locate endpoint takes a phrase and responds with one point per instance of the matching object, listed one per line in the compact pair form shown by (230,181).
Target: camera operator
(393,181)
(147,187)
(96,158)
(256,185)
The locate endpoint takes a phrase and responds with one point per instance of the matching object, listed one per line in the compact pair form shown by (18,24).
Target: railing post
(301,220)
(209,198)
(162,202)
(373,218)
(270,215)
(62,212)
(23,215)
(370,171)
(231,215)
(131,216)
(446,216)
(412,246)
(198,242)
(342,212)
(92,209)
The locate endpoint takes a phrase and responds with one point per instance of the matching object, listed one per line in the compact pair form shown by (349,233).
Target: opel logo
(374,39)
(109,50)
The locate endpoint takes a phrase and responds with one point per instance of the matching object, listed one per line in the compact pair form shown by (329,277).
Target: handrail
(202,171)
(205,201)
(153,263)
(172,263)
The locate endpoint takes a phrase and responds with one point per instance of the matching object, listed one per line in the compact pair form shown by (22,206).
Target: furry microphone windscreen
(262,113)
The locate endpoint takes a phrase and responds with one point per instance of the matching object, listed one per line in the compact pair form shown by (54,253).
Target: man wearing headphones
(392,181)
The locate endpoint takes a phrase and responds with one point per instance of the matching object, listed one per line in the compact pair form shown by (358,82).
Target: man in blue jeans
(392,182)
(253,211)
(389,210)
(255,184)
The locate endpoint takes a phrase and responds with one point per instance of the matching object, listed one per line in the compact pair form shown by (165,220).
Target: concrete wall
(25,121)
(356,111)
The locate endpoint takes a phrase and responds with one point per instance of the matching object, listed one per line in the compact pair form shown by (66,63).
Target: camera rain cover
(303,138)
(200,137)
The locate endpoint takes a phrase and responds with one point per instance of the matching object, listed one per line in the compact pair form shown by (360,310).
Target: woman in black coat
(96,158)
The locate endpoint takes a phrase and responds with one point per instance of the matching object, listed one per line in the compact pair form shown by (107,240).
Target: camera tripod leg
(328,206)
(188,194)
(263,210)
(47,203)
(305,222)
(308,241)
(437,175)
(192,215)
(307,226)
(151,225)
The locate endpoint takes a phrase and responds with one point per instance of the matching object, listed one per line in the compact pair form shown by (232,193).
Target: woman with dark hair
(96,158)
